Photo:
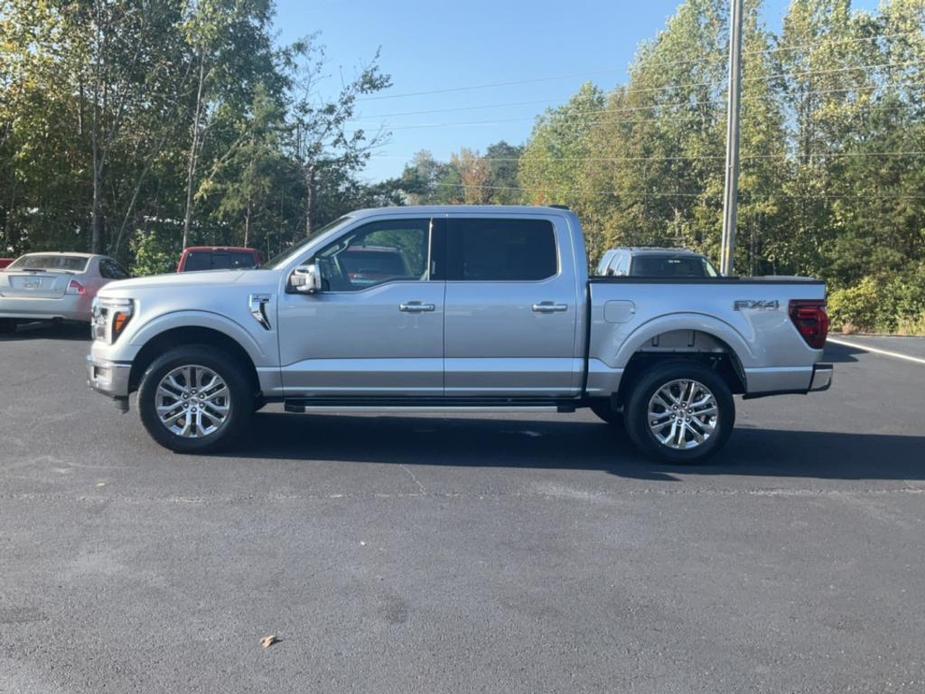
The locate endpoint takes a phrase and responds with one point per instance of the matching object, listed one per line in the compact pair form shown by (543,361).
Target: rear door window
(111,270)
(501,250)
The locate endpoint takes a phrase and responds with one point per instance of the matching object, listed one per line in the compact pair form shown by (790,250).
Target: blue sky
(429,46)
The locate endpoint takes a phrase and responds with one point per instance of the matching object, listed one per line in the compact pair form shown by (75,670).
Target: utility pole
(731,190)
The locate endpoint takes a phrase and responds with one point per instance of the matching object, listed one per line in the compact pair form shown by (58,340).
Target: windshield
(50,263)
(671,266)
(285,256)
(604,262)
(219,260)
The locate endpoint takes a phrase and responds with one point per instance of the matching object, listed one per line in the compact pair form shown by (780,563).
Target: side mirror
(305,279)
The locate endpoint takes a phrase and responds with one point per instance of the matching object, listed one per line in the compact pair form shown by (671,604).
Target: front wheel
(194,399)
(680,412)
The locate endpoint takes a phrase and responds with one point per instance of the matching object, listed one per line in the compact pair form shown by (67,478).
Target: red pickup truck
(5,261)
(218,258)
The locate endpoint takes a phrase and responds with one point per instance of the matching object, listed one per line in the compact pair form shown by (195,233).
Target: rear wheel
(680,412)
(194,399)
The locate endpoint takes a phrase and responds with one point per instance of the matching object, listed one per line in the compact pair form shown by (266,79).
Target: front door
(376,328)
(511,313)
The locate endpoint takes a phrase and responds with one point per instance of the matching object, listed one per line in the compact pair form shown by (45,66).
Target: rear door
(511,313)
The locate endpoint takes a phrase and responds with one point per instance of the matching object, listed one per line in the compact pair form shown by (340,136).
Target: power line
(606,118)
(698,157)
(512,103)
(657,194)
(630,109)
(535,80)
(834,71)
(815,44)
(488,85)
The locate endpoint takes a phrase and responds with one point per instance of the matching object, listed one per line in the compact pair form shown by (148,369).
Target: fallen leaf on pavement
(268,641)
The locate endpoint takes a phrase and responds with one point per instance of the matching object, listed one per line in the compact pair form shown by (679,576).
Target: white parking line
(875,350)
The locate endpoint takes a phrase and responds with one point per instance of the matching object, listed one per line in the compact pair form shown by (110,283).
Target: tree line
(832,177)
(136,127)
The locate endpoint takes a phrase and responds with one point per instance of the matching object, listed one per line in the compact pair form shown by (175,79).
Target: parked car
(5,261)
(492,309)
(53,286)
(198,258)
(654,263)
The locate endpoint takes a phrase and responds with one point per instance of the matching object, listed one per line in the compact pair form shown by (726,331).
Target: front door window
(379,252)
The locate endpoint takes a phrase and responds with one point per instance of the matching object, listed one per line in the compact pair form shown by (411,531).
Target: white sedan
(53,286)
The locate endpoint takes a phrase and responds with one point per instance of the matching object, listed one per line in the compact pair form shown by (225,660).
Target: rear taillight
(811,321)
(75,287)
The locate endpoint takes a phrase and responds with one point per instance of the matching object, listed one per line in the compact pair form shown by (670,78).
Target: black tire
(604,410)
(240,399)
(7,326)
(636,411)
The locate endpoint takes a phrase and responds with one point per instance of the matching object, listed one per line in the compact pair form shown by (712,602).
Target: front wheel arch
(192,335)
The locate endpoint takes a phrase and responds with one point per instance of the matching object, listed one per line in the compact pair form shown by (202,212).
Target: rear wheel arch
(695,345)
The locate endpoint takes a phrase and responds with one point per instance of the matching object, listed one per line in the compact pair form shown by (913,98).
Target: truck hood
(177,280)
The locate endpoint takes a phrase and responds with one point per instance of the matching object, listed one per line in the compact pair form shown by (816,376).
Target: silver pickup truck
(454,308)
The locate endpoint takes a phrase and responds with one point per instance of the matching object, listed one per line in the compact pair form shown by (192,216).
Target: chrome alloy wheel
(682,414)
(192,401)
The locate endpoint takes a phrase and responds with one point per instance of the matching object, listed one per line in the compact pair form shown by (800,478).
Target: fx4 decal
(756,304)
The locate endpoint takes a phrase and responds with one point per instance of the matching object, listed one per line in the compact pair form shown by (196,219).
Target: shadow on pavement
(49,331)
(580,445)
(840,354)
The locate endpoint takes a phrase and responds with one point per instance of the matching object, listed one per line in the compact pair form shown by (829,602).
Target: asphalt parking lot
(480,553)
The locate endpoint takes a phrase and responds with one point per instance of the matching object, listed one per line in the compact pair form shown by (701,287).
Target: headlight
(110,317)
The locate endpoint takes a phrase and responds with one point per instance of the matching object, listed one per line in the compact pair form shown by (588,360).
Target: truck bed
(746,318)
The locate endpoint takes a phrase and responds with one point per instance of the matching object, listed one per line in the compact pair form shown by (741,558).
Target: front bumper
(822,377)
(108,377)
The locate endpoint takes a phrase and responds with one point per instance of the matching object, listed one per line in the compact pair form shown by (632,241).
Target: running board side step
(428,404)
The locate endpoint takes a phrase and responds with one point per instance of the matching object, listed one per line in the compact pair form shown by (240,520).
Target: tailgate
(39,285)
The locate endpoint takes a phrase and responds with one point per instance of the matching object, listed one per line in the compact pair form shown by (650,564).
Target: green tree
(324,143)
(504,161)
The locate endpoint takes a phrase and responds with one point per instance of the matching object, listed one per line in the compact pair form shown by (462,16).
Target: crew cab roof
(652,250)
(460,209)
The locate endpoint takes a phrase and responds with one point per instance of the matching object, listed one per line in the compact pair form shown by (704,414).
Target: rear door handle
(549,307)
(416,307)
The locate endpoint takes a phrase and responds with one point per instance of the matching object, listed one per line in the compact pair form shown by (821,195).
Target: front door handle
(549,307)
(416,307)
